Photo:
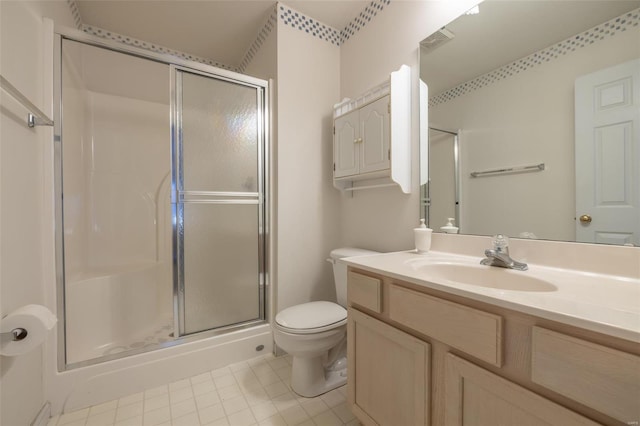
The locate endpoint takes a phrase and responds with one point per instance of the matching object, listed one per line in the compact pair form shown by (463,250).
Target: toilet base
(309,377)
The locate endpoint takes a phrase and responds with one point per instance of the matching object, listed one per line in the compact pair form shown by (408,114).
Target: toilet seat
(312,317)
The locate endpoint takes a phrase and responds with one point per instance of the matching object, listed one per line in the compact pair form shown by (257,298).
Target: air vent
(436,39)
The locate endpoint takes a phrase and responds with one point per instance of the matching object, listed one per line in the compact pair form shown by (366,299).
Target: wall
(383,219)
(545,92)
(22,190)
(308,222)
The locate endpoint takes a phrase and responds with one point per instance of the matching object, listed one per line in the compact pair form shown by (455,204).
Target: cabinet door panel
(345,145)
(375,135)
(474,396)
(388,382)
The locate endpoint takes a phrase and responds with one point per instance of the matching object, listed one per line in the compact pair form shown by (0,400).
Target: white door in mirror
(608,155)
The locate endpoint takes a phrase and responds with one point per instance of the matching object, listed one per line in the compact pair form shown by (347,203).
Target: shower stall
(443,190)
(161,201)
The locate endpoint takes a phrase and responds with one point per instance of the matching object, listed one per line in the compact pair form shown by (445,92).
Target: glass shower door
(219,201)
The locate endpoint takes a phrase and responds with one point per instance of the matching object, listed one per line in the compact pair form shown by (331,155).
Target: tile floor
(255,392)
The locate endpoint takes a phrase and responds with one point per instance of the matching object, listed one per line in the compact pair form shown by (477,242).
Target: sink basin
(486,276)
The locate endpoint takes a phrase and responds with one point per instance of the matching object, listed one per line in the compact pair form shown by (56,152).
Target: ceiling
(220,30)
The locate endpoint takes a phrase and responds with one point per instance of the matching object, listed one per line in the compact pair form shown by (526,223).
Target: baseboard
(43,415)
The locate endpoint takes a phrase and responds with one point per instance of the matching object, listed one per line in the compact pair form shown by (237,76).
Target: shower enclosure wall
(161,210)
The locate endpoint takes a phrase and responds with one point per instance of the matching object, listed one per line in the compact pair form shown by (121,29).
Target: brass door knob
(585,218)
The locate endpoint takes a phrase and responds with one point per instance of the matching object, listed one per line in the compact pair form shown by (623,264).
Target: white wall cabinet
(418,356)
(372,137)
(361,140)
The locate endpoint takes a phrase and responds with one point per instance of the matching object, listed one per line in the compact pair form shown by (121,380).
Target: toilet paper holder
(16,334)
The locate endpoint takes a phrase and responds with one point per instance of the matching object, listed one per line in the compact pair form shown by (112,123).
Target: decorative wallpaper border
(308,25)
(268,26)
(75,11)
(600,32)
(313,27)
(110,35)
(286,14)
(363,19)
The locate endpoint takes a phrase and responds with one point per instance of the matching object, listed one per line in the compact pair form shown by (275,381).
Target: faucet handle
(500,242)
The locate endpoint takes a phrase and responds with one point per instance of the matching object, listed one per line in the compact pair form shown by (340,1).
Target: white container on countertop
(450,228)
(422,236)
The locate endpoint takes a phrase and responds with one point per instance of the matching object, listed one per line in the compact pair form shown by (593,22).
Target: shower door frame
(179,197)
(265,243)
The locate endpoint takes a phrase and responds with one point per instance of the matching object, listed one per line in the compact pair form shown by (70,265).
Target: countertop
(607,304)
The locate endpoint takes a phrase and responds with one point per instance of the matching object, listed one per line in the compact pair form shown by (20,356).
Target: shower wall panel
(75,171)
(128,162)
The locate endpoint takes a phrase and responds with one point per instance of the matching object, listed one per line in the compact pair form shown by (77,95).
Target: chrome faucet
(499,255)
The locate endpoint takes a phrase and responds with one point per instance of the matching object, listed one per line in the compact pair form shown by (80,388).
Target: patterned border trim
(268,26)
(586,38)
(363,19)
(110,35)
(75,11)
(318,29)
(309,25)
(288,16)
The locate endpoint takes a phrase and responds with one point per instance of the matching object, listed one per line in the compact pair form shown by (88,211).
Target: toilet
(315,335)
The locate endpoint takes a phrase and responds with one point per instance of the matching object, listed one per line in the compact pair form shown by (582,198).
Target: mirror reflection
(534,121)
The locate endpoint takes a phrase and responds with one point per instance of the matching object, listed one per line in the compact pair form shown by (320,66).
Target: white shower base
(82,387)
(111,311)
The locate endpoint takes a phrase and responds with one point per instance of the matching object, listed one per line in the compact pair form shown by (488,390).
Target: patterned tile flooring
(256,392)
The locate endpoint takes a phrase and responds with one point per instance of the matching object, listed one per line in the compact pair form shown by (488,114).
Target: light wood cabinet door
(477,397)
(388,373)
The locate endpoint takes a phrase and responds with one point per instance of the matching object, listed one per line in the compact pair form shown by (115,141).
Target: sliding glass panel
(115,173)
(221,265)
(220,130)
(220,202)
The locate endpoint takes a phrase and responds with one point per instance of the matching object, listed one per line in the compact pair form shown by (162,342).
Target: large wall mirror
(533,122)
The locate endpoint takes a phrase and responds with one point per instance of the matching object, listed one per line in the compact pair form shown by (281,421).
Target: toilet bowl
(314,334)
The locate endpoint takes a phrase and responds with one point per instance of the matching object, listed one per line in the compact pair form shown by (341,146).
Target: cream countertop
(604,303)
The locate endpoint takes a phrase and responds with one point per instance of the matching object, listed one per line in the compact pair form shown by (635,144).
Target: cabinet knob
(358,140)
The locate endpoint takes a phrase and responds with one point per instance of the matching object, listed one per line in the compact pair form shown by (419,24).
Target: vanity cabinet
(372,137)
(484,364)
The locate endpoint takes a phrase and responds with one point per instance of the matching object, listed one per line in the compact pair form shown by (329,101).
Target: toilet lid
(311,315)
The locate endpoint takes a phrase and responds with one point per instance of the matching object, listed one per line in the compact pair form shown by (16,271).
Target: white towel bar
(36,117)
(515,169)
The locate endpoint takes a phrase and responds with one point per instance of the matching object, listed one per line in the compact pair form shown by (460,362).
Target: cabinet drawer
(365,291)
(602,378)
(475,332)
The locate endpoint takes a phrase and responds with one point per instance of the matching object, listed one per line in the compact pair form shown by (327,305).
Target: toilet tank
(340,269)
